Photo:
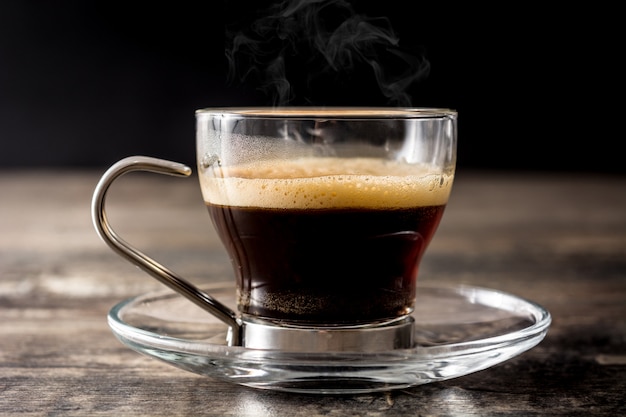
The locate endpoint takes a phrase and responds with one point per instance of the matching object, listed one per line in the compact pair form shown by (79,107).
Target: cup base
(376,337)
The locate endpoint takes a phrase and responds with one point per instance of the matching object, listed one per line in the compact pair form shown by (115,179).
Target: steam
(300,45)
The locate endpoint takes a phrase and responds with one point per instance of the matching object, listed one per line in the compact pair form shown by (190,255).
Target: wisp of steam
(298,44)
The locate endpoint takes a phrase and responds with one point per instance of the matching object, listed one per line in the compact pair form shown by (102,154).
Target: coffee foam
(319,183)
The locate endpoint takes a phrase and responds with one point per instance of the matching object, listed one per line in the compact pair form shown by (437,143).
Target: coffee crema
(326,241)
(316,183)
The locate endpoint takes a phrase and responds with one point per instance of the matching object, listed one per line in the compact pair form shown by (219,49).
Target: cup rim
(298,112)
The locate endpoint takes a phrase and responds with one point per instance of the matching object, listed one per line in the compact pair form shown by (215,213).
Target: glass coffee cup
(325,214)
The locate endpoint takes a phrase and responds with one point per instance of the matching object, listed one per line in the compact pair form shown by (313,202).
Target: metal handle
(158,271)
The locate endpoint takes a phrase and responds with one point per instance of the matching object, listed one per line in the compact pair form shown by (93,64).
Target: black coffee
(326,265)
(325,249)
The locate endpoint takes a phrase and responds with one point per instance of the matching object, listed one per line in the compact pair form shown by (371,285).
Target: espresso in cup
(325,213)
(326,240)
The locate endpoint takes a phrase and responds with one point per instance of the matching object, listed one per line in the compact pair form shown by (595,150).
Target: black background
(83,84)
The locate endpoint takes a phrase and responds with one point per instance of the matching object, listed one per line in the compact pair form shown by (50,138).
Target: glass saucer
(458,330)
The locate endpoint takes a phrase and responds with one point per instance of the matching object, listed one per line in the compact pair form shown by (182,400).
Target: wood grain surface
(559,240)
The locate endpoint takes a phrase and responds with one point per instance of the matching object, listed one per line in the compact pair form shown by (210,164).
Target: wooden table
(559,240)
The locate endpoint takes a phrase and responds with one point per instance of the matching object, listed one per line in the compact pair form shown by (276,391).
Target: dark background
(83,84)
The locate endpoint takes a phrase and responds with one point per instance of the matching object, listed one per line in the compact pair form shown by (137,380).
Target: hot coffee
(326,214)
(326,240)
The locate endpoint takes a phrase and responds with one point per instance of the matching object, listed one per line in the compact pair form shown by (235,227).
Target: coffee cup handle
(158,271)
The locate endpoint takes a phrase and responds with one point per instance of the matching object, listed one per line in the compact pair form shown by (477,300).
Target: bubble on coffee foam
(327,183)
